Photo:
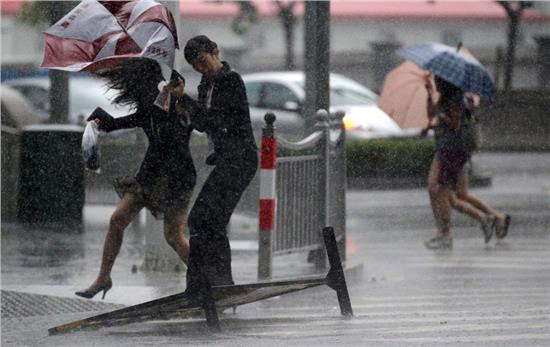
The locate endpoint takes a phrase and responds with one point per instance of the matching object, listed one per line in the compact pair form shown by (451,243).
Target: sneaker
(439,242)
(502,230)
(489,228)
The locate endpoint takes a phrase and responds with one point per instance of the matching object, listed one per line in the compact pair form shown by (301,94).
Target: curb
(477,180)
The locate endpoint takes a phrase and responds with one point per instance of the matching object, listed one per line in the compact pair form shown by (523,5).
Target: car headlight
(350,124)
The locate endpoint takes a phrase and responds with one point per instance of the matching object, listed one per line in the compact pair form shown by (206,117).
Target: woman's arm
(454,116)
(431,108)
(129,121)
(108,123)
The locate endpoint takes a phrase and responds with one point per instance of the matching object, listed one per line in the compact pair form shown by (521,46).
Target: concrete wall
(266,38)
(10,173)
(519,120)
(351,43)
(20,43)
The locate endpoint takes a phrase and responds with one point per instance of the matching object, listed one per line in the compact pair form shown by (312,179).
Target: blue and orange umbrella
(452,65)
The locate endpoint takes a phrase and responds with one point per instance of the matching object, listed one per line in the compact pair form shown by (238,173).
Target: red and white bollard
(268,196)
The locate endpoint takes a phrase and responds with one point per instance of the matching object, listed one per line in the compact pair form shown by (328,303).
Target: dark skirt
(156,198)
(451,162)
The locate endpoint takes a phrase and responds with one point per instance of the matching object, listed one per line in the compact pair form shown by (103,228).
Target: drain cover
(18,304)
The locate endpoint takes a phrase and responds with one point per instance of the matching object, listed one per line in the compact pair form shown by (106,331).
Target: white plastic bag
(163,98)
(90,147)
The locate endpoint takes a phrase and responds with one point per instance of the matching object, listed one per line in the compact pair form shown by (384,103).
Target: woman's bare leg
(443,210)
(433,186)
(461,201)
(174,226)
(126,210)
(472,205)
(440,199)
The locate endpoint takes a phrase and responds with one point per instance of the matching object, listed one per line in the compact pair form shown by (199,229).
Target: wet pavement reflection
(476,294)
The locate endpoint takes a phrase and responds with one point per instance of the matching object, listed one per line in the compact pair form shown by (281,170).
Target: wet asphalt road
(475,295)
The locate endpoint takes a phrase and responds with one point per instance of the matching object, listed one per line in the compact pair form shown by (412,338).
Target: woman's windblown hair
(136,80)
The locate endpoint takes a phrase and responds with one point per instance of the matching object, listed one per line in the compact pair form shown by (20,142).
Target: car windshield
(344,95)
(341,96)
(87,95)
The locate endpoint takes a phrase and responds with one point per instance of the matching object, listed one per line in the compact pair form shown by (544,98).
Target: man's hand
(177,91)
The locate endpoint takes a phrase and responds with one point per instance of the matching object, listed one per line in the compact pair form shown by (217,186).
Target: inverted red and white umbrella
(98,34)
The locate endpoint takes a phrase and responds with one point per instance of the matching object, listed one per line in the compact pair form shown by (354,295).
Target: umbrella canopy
(462,70)
(404,96)
(98,34)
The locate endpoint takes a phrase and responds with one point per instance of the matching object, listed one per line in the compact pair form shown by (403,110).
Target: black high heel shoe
(88,294)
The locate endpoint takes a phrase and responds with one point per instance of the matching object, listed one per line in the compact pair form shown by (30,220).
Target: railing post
(340,184)
(322,125)
(268,196)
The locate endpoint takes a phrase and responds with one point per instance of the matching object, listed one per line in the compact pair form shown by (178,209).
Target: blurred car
(85,94)
(283,93)
(16,110)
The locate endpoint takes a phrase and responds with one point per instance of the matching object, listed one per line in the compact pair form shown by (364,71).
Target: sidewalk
(63,263)
(477,295)
(39,278)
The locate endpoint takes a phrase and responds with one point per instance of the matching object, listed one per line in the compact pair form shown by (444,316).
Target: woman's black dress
(166,177)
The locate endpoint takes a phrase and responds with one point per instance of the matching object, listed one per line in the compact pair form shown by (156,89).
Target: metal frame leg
(335,277)
(209,307)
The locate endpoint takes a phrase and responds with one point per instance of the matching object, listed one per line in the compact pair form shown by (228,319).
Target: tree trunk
(513,26)
(514,10)
(59,80)
(288,25)
(288,20)
(316,60)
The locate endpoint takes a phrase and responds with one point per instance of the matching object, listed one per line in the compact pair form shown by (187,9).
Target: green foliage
(33,13)
(247,16)
(389,157)
(38,12)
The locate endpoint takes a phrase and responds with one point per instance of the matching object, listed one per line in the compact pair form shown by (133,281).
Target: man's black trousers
(208,219)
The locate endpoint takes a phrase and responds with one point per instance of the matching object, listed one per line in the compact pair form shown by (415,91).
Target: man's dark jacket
(227,121)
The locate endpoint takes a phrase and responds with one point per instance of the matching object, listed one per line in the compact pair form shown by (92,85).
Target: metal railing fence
(310,185)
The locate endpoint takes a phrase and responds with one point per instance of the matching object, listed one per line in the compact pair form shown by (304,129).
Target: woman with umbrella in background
(456,75)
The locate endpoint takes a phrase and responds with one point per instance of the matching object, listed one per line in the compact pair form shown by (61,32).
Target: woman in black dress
(166,178)
(222,112)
